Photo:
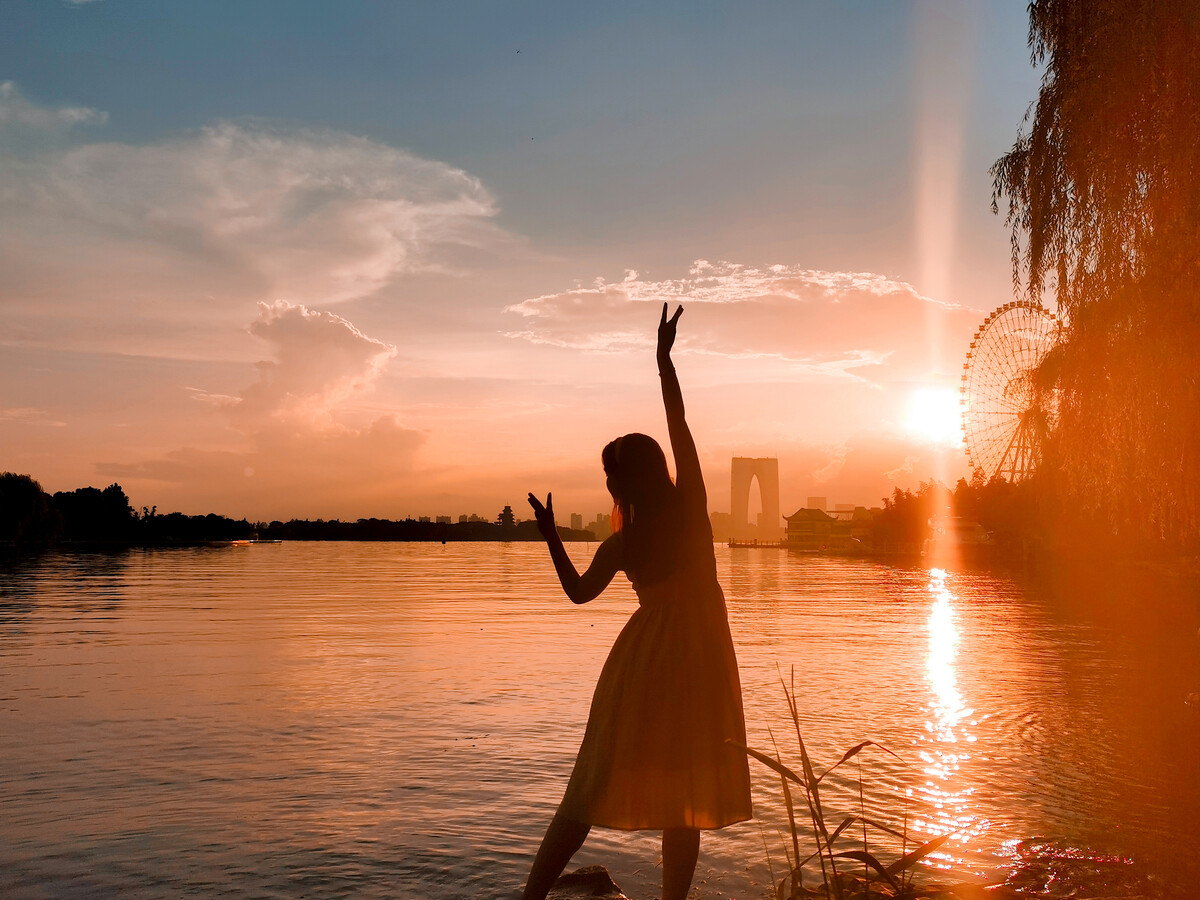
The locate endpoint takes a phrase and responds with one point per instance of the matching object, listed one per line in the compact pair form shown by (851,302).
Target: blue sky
(619,137)
(710,107)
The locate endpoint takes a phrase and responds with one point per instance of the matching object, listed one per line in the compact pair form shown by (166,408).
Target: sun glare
(934,416)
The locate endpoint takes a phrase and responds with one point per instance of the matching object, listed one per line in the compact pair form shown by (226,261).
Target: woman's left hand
(544,515)
(666,332)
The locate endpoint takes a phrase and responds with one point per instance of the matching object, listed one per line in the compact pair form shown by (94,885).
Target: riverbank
(224,532)
(1026,882)
(91,519)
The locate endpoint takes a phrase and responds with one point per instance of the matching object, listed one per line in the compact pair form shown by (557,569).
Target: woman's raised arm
(688,477)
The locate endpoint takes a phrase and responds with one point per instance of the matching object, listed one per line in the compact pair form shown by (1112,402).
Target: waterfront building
(846,530)
(809,529)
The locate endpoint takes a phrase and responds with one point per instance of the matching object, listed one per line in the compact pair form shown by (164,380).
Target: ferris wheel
(1007,410)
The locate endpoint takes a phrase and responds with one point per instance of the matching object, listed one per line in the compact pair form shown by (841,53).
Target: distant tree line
(30,518)
(1012,513)
(410,530)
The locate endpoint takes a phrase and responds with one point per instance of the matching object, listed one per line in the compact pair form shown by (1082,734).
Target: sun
(934,416)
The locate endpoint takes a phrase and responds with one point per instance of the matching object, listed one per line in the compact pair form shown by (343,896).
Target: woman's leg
(563,838)
(680,847)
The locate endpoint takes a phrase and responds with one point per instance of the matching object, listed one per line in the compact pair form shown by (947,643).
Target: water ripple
(400,719)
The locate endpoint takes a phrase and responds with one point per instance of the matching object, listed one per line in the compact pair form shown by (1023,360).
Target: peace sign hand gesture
(544,515)
(666,333)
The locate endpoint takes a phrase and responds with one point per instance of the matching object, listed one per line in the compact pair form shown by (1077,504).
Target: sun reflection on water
(946,745)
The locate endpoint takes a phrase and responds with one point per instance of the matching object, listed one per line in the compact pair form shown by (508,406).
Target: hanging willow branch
(1102,195)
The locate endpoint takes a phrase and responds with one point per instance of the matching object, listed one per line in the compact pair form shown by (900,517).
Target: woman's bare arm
(688,476)
(604,565)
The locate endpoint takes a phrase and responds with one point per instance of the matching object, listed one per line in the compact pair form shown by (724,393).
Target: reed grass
(839,880)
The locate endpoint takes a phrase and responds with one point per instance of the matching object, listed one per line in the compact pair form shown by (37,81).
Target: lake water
(325,719)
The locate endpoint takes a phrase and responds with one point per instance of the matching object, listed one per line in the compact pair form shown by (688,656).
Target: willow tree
(1102,190)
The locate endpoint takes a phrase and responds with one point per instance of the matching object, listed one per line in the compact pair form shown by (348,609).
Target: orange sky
(258,314)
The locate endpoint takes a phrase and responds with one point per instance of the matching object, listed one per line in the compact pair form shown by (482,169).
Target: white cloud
(122,246)
(810,324)
(304,215)
(321,360)
(320,364)
(723,282)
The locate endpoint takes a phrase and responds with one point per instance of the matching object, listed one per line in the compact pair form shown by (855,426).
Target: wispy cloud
(810,323)
(29,415)
(106,244)
(726,282)
(303,215)
(17,111)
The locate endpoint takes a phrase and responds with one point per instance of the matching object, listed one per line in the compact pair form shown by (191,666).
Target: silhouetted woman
(655,754)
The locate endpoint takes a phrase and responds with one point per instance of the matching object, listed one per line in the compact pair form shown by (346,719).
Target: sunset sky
(283,259)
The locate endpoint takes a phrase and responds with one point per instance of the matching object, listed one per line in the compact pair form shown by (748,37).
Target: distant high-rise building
(576,522)
(443,520)
(743,472)
(602,527)
(462,520)
(816,503)
(423,519)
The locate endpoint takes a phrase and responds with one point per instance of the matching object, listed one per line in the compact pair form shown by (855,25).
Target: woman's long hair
(647,509)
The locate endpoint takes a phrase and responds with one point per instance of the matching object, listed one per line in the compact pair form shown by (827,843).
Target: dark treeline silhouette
(27,513)
(1011,513)
(410,530)
(31,519)
(90,514)
(1102,194)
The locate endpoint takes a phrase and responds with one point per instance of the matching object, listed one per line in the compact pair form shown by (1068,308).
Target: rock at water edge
(588,883)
